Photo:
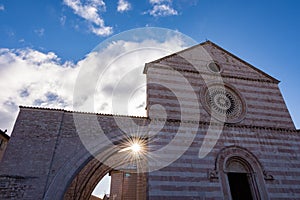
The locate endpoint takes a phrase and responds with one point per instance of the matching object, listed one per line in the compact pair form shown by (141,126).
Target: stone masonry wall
(189,177)
(46,154)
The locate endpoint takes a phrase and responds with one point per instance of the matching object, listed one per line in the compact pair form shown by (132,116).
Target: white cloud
(102,31)
(40,32)
(2,7)
(162,8)
(33,78)
(123,6)
(22,40)
(118,85)
(62,20)
(159,1)
(30,77)
(89,11)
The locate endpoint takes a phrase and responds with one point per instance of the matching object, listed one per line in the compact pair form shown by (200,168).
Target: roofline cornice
(282,129)
(78,112)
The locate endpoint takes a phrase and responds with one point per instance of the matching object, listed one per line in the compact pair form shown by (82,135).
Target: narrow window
(239,186)
(240,178)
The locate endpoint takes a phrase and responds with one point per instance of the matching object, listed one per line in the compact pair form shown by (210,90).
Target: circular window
(214,67)
(224,103)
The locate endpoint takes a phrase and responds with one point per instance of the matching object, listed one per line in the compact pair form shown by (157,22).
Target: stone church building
(216,128)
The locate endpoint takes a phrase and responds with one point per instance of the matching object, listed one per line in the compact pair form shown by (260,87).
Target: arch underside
(86,180)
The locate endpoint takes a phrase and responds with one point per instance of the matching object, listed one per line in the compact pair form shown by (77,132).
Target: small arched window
(241,179)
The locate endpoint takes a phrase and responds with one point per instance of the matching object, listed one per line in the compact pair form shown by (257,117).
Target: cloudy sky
(45,45)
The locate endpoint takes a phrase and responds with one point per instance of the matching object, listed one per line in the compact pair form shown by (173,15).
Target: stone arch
(78,177)
(239,159)
(86,180)
(70,170)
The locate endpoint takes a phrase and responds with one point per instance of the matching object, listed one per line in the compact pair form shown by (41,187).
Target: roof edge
(78,112)
(241,60)
(220,48)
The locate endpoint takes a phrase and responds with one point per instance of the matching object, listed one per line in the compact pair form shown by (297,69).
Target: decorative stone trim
(217,74)
(213,175)
(223,102)
(268,176)
(204,123)
(257,174)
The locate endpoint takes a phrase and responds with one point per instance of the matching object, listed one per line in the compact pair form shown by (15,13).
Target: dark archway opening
(239,186)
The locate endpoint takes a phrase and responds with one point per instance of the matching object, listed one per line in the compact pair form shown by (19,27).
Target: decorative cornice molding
(205,123)
(79,112)
(172,120)
(213,74)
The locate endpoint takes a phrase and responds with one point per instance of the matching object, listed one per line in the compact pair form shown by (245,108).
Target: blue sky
(263,33)
(50,39)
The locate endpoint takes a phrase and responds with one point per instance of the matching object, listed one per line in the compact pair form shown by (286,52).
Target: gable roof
(208,42)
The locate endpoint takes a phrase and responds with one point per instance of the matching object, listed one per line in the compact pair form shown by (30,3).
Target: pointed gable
(233,65)
(196,58)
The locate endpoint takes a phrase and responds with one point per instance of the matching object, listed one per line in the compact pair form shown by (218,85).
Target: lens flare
(133,145)
(132,154)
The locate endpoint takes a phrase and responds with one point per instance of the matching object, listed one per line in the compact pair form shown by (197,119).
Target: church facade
(216,128)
